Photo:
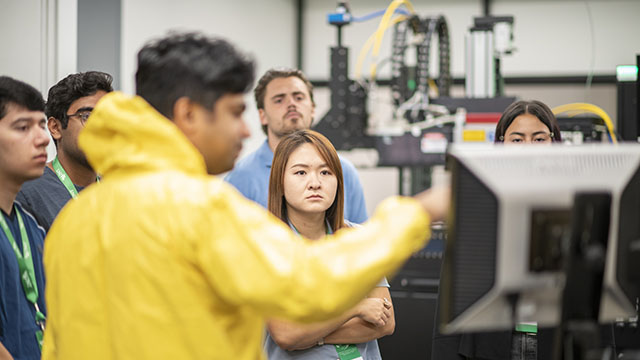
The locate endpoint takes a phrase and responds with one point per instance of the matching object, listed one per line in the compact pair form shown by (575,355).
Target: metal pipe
(299,33)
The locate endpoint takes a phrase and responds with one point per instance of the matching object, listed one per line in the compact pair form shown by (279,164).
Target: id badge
(348,352)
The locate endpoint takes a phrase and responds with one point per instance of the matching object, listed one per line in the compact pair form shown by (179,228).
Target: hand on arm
(375,320)
(375,311)
(293,336)
(370,319)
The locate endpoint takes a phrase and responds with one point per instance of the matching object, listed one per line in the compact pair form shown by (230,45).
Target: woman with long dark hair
(523,122)
(306,191)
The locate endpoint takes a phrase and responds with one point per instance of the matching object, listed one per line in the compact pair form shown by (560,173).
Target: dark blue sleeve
(23,199)
(43,202)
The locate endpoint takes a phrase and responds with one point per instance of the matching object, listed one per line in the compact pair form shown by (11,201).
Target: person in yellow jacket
(160,260)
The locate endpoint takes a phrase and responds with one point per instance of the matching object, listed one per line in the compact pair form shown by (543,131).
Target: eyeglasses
(83,115)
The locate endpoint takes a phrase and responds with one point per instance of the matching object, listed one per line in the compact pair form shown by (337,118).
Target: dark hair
(72,88)
(18,93)
(277,204)
(276,73)
(533,107)
(190,65)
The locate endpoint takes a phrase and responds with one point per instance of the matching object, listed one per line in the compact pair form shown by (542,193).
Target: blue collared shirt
(251,177)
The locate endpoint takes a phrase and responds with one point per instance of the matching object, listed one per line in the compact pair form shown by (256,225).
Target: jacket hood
(127,135)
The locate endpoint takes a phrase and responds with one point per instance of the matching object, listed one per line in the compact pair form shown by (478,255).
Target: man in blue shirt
(23,155)
(285,104)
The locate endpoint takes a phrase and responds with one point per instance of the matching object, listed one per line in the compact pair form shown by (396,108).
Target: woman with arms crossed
(306,192)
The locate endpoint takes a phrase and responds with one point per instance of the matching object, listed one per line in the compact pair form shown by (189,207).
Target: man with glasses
(68,107)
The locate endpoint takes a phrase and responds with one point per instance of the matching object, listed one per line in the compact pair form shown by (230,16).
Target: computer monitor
(510,218)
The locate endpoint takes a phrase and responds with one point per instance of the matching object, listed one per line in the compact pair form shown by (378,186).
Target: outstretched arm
(253,259)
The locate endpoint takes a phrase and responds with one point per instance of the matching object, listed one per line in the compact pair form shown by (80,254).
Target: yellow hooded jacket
(162,261)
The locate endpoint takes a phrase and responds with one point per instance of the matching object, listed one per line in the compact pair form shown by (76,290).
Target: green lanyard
(345,351)
(348,352)
(527,327)
(64,178)
(25,265)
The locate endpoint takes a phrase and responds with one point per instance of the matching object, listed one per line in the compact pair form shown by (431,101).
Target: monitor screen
(510,219)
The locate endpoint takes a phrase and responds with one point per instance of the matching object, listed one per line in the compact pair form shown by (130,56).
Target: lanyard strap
(527,327)
(64,178)
(348,352)
(25,260)
(25,266)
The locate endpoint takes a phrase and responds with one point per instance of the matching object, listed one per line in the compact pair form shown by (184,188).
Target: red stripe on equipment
(483,118)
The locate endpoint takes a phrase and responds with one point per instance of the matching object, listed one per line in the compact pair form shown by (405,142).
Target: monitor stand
(577,336)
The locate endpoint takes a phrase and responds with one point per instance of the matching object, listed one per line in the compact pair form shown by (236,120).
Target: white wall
(21,45)
(264,29)
(38,39)
(554,37)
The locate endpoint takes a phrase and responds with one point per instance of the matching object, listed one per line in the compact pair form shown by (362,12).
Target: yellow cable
(588,108)
(365,49)
(434,87)
(385,21)
(386,18)
(384,24)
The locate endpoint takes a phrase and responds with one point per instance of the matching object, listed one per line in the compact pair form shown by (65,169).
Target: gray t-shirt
(368,350)
(44,197)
